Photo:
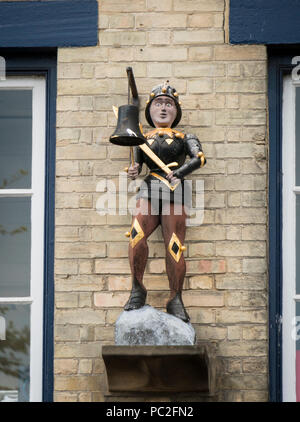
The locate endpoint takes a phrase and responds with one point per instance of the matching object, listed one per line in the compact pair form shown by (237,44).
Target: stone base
(159,369)
(149,327)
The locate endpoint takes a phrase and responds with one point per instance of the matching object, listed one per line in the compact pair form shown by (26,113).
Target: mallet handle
(132,84)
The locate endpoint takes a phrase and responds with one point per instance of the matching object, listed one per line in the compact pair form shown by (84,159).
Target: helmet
(163,90)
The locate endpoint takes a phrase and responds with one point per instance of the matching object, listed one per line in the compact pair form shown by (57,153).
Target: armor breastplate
(168,145)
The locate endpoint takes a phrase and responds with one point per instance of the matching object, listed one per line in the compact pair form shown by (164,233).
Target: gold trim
(171,187)
(169,140)
(174,164)
(141,128)
(202,158)
(165,131)
(178,134)
(140,233)
(150,141)
(181,248)
(165,86)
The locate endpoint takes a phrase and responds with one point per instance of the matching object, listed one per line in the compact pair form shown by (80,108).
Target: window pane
(15,245)
(14,352)
(16,138)
(297,245)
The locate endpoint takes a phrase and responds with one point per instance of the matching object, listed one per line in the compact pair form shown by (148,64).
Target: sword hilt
(166,168)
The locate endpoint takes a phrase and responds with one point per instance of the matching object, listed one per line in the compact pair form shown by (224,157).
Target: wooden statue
(162,196)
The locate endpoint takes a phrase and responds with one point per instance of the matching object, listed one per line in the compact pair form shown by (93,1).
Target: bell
(128,132)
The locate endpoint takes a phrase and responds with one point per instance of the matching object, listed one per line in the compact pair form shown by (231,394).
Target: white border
(289,191)
(37,192)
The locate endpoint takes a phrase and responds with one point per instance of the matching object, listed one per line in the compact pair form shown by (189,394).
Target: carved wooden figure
(162,196)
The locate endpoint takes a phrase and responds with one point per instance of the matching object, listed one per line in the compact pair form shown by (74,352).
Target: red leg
(143,224)
(173,229)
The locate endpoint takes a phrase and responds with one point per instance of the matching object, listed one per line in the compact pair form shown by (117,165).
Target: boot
(175,307)
(137,297)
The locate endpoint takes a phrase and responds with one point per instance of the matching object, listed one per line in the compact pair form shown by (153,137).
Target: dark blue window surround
(264,22)
(54,23)
(279,64)
(30,33)
(274,23)
(43,62)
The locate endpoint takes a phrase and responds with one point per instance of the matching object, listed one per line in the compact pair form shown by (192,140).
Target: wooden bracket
(160,369)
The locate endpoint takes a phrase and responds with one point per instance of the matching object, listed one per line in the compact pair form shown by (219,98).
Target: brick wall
(223,93)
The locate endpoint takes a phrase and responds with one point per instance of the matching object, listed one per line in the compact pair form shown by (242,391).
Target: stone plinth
(149,327)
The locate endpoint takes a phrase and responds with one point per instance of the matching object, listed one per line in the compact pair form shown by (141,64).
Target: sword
(148,151)
(158,161)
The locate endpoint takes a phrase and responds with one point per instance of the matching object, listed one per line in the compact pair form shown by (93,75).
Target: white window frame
(37,193)
(289,192)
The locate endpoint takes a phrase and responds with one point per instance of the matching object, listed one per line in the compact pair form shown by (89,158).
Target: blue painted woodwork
(264,22)
(54,23)
(279,64)
(30,62)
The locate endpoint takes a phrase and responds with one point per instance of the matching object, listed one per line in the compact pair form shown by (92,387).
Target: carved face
(163,111)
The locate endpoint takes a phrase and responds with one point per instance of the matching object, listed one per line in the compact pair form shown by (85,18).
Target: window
(291,239)
(22,209)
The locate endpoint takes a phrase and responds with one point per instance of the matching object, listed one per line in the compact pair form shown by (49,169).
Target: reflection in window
(298,244)
(297,351)
(14,353)
(15,244)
